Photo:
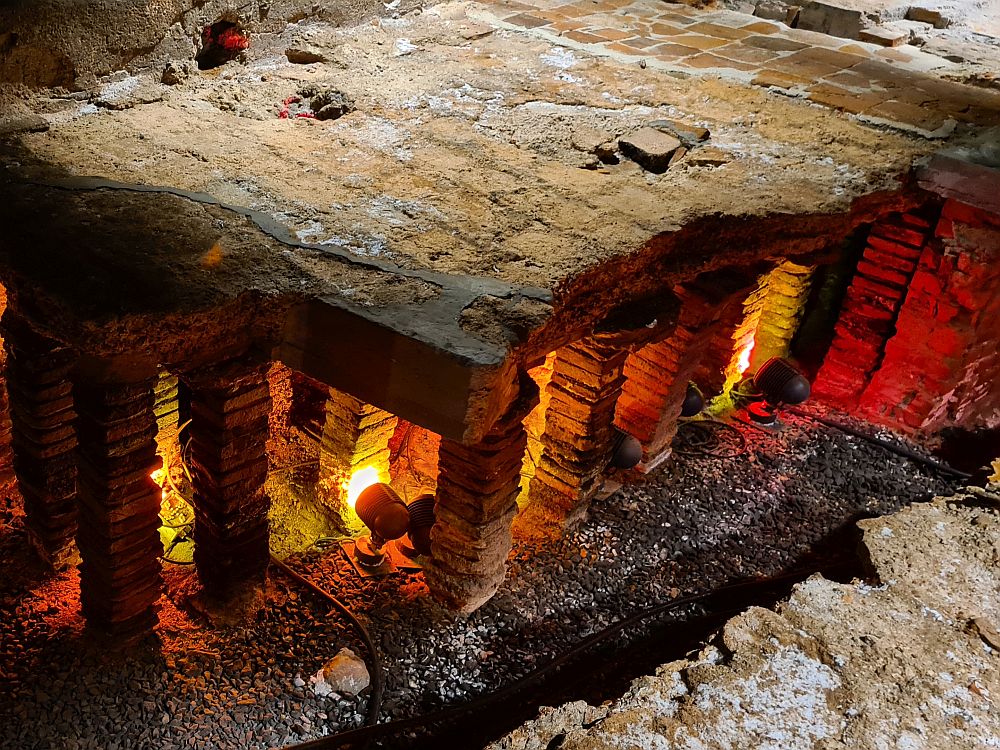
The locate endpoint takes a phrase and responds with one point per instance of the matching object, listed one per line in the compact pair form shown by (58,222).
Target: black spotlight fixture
(780,382)
(386,516)
(626,452)
(777,381)
(694,401)
(417,540)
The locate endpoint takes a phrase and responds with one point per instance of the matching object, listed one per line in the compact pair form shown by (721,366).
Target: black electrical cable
(899,450)
(378,681)
(367,734)
(704,437)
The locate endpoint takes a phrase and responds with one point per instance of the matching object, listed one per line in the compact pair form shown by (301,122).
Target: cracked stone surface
(912,662)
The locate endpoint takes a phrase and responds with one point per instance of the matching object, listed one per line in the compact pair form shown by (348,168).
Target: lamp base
(364,560)
(404,555)
(762,413)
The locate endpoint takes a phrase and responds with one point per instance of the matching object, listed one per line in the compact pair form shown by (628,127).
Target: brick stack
(43,438)
(770,317)
(579,431)
(229,430)
(711,373)
(788,288)
(942,366)
(166,406)
(871,306)
(657,375)
(6,457)
(355,435)
(476,502)
(119,507)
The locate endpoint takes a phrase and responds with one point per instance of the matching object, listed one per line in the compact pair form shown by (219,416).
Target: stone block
(650,148)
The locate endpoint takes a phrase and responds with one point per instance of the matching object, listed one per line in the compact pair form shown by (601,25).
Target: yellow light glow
(744,359)
(160,477)
(360,480)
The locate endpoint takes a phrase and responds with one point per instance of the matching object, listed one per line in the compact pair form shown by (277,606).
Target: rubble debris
(884,36)
(932,16)
(346,673)
(175,72)
(650,148)
(689,135)
(305,54)
(327,103)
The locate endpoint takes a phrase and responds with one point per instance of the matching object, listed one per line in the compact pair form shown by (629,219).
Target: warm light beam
(360,480)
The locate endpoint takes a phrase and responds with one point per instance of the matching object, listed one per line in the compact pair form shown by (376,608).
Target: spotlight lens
(381,510)
(781,382)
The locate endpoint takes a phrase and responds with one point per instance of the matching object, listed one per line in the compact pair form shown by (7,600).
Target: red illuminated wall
(916,347)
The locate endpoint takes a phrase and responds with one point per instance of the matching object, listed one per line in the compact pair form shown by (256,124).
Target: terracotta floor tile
(664,29)
(708,60)
(817,62)
(640,42)
(812,38)
(526,20)
(570,24)
(855,49)
(612,35)
(677,20)
(779,79)
(762,27)
(718,31)
(584,37)
(698,41)
(840,98)
(774,43)
(901,112)
(549,15)
(670,52)
(743,53)
(622,49)
(850,79)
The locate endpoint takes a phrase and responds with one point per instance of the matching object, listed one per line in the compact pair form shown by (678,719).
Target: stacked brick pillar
(579,431)
(942,366)
(871,307)
(43,437)
(229,466)
(657,375)
(6,457)
(781,310)
(119,506)
(356,435)
(166,406)
(476,503)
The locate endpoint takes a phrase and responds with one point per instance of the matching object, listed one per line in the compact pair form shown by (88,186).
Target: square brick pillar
(43,438)
(476,502)
(578,438)
(871,307)
(657,375)
(229,429)
(356,435)
(118,535)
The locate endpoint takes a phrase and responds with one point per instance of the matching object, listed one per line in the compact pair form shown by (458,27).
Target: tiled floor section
(884,85)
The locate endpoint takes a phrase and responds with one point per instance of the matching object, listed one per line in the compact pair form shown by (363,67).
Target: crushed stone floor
(691,526)
(911,663)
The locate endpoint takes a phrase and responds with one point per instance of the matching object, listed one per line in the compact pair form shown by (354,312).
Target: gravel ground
(689,527)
